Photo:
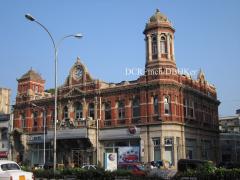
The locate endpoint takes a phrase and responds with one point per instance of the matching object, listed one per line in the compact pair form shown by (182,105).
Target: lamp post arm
(54,45)
(61,40)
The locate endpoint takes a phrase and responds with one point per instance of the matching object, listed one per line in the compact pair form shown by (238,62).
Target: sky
(206,37)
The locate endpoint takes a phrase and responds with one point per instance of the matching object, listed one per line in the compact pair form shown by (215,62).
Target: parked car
(89,167)
(193,164)
(134,168)
(10,170)
(229,165)
(38,166)
(130,158)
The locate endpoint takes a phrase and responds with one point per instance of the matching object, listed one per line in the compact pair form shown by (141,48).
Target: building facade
(230,138)
(162,115)
(5,94)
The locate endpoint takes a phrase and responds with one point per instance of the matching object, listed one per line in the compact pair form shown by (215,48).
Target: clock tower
(159,38)
(78,74)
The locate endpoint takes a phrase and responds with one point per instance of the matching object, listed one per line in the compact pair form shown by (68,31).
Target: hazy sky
(207,37)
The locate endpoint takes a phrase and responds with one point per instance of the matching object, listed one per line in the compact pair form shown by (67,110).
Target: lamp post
(44,131)
(55,46)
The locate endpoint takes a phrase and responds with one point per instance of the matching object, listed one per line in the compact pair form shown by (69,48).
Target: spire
(201,76)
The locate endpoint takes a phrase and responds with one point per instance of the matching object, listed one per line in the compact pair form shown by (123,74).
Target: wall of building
(5,100)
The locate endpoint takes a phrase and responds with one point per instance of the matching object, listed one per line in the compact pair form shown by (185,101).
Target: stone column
(149,41)
(28,120)
(71,110)
(158,46)
(144,106)
(114,112)
(95,107)
(168,46)
(84,108)
(128,112)
(173,52)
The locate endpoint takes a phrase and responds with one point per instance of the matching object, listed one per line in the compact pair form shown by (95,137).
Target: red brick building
(163,114)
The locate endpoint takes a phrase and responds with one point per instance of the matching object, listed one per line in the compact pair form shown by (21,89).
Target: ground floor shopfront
(70,153)
(169,142)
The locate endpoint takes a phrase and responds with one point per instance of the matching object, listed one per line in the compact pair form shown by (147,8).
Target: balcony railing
(107,123)
(136,120)
(121,121)
(80,122)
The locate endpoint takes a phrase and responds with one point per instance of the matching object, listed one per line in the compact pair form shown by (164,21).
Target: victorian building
(5,122)
(230,138)
(162,115)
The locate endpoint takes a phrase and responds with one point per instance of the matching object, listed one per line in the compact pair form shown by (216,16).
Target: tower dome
(158,20)
(158,17)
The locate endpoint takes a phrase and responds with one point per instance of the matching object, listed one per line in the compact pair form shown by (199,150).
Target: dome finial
(157,10)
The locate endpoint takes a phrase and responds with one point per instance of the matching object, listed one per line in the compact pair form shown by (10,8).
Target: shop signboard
(110,161)
(128,154)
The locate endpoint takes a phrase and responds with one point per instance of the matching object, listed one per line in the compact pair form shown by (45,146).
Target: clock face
(78,72)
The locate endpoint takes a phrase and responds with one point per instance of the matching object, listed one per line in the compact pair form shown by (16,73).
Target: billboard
(110,161)
(128,154)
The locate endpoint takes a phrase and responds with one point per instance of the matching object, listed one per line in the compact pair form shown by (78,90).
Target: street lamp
(55,46)
(44,130)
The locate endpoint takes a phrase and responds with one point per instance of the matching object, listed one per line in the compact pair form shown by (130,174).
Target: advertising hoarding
(128,154)
(110,161)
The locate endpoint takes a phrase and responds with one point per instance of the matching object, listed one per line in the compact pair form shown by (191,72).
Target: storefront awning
(61,134)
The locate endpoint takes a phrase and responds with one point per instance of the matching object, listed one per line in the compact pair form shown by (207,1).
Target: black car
(193,164)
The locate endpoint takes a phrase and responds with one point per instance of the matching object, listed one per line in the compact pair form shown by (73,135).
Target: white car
(89,167)
(9,170)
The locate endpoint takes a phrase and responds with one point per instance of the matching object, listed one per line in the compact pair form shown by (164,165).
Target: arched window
(23,120)
(65,112)
(154,46)
(78,110)
(163,45)
(107,111)
(121,110)
(191,108)
(91,110)
(35,115)
(155,104)
(135,107)
(167,105)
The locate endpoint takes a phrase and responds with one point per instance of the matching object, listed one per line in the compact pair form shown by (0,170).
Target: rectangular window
(91,110)
(107,111)
(121,110)
(169,151)
(157,149)
(35,119)
(167,105)
(185,107)
(155,105)
(52,117)
(135,107)
(190,108)
(23,118)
